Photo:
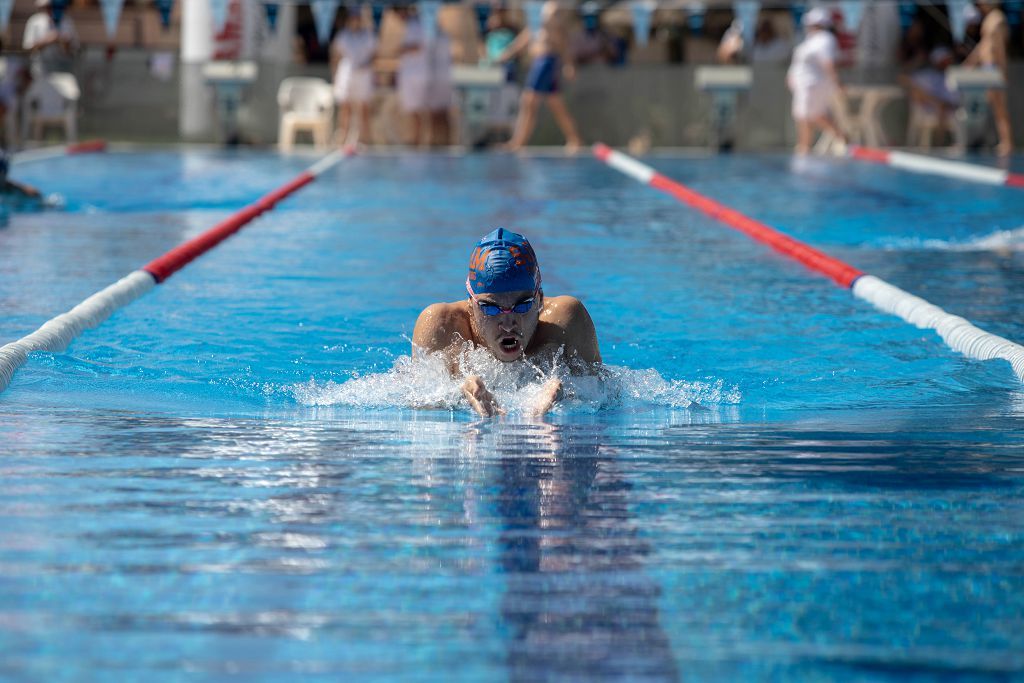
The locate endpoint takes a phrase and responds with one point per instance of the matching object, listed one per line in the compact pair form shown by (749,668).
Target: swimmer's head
(5,165)
(504,287)
(503,261)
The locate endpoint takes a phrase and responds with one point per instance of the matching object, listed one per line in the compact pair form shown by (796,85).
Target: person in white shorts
(353,51)
(813,80)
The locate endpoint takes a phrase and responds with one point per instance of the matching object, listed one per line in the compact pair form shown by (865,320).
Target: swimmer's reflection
(579,605)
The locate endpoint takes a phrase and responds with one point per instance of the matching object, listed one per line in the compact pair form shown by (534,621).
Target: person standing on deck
(991,54)
(549,49)
(813,80)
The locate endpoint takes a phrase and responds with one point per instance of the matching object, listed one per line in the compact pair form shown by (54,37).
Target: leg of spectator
(526,121)
(997,100)
(803,136)
(344,117)
(364,134)
(565,121)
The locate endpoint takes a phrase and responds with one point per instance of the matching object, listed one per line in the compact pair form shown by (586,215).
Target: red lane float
(86,147)
(841,273)
(958,333)
(55,334)
(920,163)
(174,260)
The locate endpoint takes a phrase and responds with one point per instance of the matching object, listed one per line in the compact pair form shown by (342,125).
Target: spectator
(440,90)
(499,36)
(991,54)
(930,94)
(813,79)
(50,46)
(914,48)
(972,32)
(769,46)
(730,48)
(352,52)
(414,76)
(551,58)
(878,36)
(593,45)
(15,84)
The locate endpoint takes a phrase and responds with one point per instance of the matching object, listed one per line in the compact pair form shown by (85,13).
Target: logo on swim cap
(503,261)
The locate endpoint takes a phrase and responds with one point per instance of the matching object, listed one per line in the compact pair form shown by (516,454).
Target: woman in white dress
(353,51)
(813,80)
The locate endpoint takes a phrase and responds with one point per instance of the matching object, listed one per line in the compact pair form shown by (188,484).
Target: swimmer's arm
(22,189)
(567,324)
(441,328)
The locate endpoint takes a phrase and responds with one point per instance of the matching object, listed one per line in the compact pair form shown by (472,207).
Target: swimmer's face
(506,335)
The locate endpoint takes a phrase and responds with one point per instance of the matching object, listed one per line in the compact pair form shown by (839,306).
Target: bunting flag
(219,12)
(165,7)
(798,9)
(853,10)
(5,14)
(533,15)
(483,13)
(111,14)
(57,7)
(746,11)
(377,12)
(323,17)
(907,12)
(958,18)
(695,16)
(271,9)
(428,18)
(642,11)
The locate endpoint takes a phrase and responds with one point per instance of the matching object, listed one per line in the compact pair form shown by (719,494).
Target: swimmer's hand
(549,393)
(480,399)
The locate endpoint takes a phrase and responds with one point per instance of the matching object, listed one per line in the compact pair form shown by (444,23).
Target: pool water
(244,474)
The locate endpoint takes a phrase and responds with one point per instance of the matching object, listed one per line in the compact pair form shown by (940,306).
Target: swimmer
(14,189)
(507,313)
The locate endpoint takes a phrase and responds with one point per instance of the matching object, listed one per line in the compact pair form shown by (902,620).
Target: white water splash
(1000,240)
(424,382)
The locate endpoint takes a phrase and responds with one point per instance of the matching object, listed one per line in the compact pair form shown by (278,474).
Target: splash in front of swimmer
(507,313)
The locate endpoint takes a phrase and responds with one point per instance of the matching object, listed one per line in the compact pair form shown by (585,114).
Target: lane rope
(44,153)
(958,333)
(57,333)
(920,163)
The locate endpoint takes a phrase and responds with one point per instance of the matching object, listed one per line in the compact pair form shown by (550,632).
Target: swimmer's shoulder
(440,325)
(565,321)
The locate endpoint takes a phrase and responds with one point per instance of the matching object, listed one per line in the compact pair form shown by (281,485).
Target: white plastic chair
(923,124)
(306,104)
(52,101)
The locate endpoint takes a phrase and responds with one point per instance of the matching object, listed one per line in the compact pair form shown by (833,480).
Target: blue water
(242,474)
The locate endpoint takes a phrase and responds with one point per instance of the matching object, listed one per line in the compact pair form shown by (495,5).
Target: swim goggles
(493,309)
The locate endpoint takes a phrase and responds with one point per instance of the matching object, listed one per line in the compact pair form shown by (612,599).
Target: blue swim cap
(503,261)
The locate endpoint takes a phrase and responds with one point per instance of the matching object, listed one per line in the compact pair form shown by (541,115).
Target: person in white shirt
(50,46)
(813,80)
(352,52)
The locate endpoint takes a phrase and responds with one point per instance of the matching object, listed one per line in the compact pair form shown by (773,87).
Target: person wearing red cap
(507,313)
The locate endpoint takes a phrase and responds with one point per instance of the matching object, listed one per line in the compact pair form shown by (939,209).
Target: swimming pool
(240,473)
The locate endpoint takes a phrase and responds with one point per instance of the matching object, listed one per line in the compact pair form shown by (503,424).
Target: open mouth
(510,345)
